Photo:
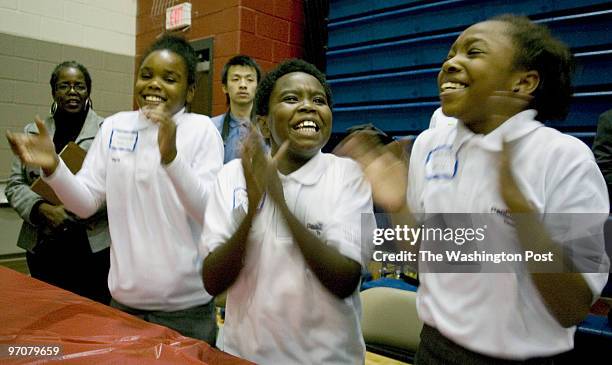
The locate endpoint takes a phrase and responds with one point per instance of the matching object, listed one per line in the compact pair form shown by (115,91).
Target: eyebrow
(471,40)
(246,74)
(170,72)
(301,91)
(166,71)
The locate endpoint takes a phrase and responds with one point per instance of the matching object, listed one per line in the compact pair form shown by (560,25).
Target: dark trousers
(198,322)
(435,349)
(66,261)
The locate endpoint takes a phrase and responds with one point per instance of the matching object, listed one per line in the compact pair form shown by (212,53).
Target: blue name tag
(123,140)
(441,163)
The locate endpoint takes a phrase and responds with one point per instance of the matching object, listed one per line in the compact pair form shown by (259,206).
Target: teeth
(153,98)
(452,85)
(306,124)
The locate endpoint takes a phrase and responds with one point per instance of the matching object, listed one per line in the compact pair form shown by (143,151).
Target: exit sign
(178,16)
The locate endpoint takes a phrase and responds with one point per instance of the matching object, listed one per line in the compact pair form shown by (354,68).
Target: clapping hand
(386,172)
(260,171)
(166,136)
(511,193)
(35,150)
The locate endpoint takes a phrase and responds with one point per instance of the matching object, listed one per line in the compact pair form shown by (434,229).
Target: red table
(36,313)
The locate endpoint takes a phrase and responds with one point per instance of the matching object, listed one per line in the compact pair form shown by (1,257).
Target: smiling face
(298,112)
(70,91)
(162,81)
(479,63)
(241,84)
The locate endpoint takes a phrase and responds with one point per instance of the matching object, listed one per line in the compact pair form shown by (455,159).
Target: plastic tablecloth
(36,313)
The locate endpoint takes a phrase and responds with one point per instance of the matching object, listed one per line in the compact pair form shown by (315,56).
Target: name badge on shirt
(123,140)
(441,163)
(241,200)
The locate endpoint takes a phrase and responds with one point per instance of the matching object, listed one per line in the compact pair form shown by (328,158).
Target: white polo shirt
(154,212)
(502,314)
(277,310)
(439,119)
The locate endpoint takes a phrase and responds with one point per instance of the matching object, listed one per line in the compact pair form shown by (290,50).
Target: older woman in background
(61,249)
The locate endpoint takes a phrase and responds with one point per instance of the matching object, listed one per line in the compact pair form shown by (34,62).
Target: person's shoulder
(95,117)
(231,169)
(217,120)
(199,125)
(344,167)
(439,119)
(433,136)
(198,120)
(30,128)
(606,116)
(120,120)
(557,143)
(33,129)
(122,116)
(231,175)
(338,162)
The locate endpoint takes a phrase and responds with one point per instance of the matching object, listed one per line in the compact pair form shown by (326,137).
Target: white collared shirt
(502,314)
(439,119)
(277,310)
(155,212)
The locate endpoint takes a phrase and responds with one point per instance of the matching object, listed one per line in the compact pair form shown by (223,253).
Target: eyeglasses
(65,87)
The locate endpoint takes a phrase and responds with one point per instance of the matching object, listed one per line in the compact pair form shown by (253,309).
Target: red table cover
(36,313)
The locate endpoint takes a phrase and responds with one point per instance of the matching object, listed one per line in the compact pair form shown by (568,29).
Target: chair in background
(390,323)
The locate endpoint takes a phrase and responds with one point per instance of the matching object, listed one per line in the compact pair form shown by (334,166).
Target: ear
(527,82)
(264,128)
(224,88)
(190,93)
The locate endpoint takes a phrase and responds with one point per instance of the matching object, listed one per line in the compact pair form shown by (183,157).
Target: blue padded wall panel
(383,56)
(435,17)
(351,8)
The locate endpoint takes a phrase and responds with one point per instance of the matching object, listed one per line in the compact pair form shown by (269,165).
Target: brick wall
(267,30)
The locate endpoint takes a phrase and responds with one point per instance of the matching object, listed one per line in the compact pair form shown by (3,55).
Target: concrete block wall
(35,35)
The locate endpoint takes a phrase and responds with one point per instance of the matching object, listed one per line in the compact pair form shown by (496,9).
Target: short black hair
(240,60)
(536,49)
(265,87)
(181,47)
(70,64)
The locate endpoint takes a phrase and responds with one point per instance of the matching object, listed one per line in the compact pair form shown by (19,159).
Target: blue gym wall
(384,55)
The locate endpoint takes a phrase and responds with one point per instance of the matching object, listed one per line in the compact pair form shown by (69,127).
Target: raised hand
(260,171)
(166,136)
(35,149)
(253,168)
(386,172)
(511,194)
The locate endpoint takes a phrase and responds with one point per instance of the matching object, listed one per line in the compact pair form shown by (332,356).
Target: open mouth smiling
(153,99)
(306,128)
(449,86)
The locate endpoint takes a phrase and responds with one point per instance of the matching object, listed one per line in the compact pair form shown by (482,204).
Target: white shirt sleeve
(221,219)
(353,225)
(193,176)
(577,209)
(84,193)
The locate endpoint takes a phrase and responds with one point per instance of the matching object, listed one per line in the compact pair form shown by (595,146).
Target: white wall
(105,25)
